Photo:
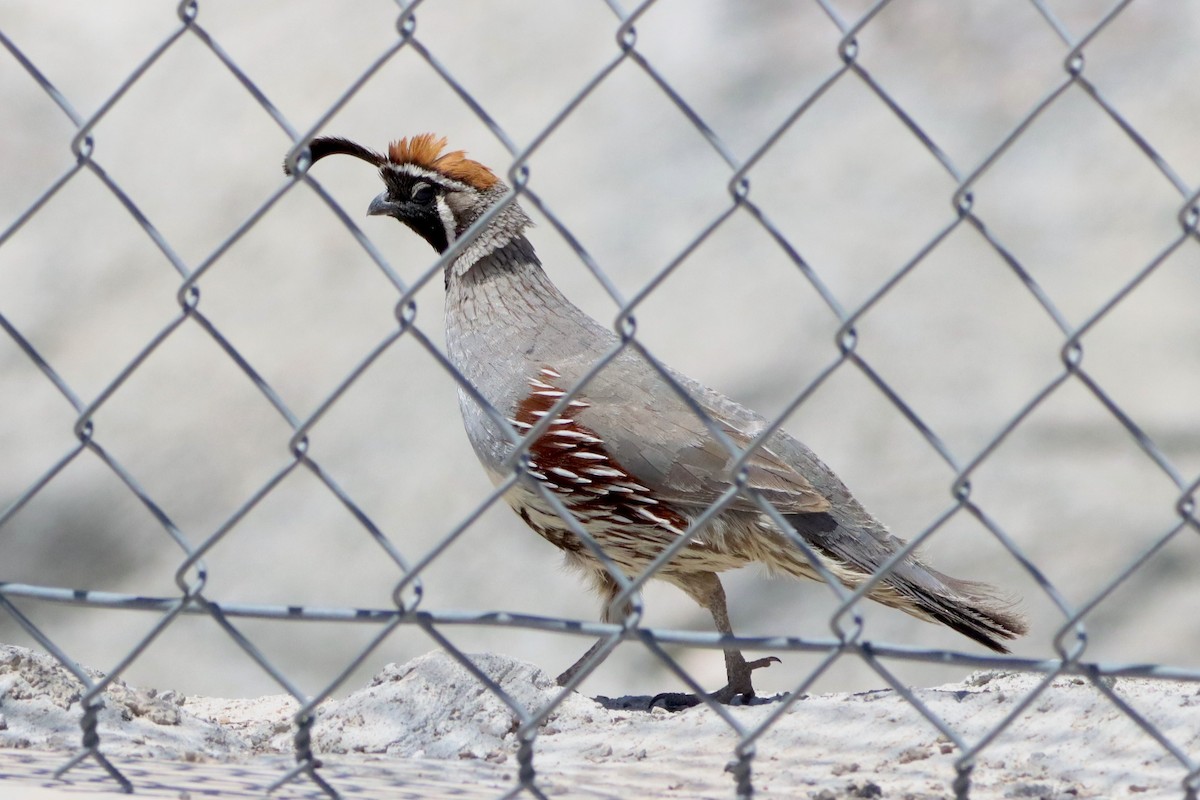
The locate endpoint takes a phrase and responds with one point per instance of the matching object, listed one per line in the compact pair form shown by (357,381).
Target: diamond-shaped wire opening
(195,206)
(82,528)
(1086,224)
(1001,57)
(46,408)
(996,324)
(260,302)
(117,298)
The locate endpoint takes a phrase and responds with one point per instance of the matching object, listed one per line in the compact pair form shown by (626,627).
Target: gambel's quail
(626,455)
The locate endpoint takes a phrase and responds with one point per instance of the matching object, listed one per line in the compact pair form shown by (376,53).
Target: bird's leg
(571,671)
(737,669)
(706,589)
(608,591)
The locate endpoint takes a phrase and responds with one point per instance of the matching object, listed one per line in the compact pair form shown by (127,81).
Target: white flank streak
(578,435)
(549,373)
(657,520)
(538,413)
(579,404)
(524,425)
(636,487)
(566,473)
(604,472)
(561,420)
(552,392)
(535,383)
(586,455)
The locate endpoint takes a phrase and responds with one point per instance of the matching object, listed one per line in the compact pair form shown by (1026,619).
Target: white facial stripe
(427,174)
(448,221)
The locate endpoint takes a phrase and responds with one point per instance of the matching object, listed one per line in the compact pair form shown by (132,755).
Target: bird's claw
(737,691)
(675,701)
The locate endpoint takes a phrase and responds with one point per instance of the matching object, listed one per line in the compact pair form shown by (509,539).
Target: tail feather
(973,609)
(976,610)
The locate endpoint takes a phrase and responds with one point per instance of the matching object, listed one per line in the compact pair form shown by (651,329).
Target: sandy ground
(430,727)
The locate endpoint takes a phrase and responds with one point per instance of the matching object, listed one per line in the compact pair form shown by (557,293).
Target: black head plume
(334,145)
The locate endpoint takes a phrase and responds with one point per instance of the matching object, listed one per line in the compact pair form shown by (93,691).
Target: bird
(626,455)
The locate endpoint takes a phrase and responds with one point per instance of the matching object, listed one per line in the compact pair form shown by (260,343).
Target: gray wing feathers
(670,450)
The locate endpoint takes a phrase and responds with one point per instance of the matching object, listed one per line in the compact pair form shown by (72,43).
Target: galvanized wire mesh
(90,390)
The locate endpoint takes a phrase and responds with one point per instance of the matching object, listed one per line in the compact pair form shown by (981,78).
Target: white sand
(1071,742)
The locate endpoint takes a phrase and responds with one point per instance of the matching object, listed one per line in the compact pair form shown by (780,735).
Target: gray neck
(504,321)
(504,312)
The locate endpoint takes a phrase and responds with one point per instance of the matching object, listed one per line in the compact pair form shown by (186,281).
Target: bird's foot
(738,691)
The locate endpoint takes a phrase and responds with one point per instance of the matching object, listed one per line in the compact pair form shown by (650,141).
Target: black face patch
(416,205)
(429,227)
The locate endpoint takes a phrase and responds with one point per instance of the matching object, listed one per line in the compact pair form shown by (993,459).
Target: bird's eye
(422,194)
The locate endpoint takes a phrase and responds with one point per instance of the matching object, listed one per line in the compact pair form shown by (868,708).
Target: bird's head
(435,193)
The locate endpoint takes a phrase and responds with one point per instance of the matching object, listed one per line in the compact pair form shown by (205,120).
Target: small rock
(600,750)
(918,753)
(1039,791)
(983,677)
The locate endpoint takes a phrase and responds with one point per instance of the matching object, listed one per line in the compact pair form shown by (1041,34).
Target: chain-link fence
(951,246)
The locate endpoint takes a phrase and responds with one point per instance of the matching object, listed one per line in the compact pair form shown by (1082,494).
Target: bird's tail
(976,610)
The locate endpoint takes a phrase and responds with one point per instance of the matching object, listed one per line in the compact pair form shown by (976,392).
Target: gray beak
(380,206)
